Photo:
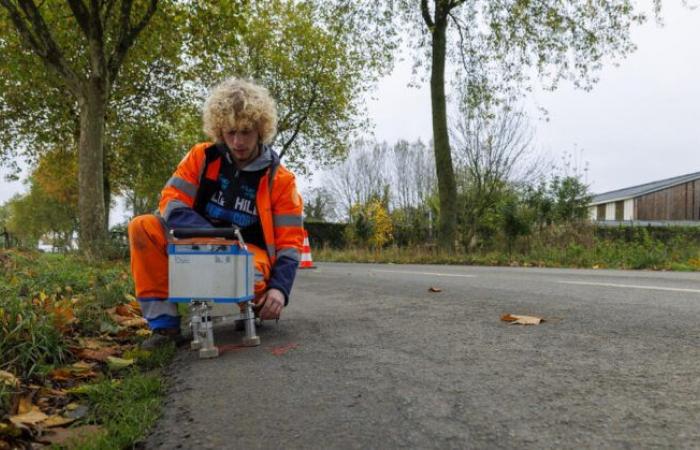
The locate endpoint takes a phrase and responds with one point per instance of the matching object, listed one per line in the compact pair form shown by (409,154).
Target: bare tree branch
(426,14)
(127,34)
(81,14)
(299,124)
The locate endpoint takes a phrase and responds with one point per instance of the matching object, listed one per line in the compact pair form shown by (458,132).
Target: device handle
(226,233)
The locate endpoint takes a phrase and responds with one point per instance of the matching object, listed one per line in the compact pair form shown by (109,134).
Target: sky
(638,124)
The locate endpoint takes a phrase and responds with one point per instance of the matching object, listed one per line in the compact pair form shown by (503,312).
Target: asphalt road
(366,357)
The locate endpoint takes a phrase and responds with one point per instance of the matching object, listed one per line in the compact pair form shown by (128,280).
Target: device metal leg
(196,325)
(208,350)
(250,339)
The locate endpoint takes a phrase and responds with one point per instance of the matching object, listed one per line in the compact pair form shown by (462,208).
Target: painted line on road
(631,286)
(426,273)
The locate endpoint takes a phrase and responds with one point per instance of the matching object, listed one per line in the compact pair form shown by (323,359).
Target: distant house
(674,199)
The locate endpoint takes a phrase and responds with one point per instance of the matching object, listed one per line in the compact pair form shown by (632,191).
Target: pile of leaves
(65,327)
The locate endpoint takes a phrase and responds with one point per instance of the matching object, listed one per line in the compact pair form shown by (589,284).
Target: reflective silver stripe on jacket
(287,220)
(289,253)
(185,186)
(271,250)
(153,309)
(172,206)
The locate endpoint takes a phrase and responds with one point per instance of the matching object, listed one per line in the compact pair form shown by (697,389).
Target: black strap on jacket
(208,187)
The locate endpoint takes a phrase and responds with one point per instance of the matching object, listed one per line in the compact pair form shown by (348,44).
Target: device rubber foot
(251,341)
(205,353)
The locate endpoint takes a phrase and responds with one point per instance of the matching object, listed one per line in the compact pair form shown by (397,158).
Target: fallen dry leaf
(434,289)
(125,311)
(25,404)
(92,343)
(82,366)
(97,354)
(60,374)
(32,417)
(8,379)
(136,322)
(521,320)
(63,313)
(144,332)
(49,392)
(118,363)
(125,316)
(77,371)
(135,305)
(56,421)
(63,436)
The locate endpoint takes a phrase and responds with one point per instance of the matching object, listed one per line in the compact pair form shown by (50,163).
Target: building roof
(642,189)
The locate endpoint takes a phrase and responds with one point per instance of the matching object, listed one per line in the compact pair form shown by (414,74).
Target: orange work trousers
(149,267)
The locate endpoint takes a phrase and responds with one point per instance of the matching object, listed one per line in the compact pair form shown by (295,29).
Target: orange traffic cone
(306,262)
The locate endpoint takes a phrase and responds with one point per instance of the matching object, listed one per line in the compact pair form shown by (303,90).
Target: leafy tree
(146,154)
(495,44)
(571,199)
(514,221)
(4,218)
(318,58)
(49,211)
(84,47)
(370,224)
(149,91)
(538,200)
(56,174)
(36,216)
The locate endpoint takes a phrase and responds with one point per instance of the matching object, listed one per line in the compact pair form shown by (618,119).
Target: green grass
(128,408)
(597,253)
(124,403)
(30,343)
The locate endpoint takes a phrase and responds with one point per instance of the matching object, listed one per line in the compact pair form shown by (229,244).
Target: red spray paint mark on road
(282,349)
(231,348)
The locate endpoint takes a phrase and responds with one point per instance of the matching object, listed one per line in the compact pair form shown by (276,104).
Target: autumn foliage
(64,325)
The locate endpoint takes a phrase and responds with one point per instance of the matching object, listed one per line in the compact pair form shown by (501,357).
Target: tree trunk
(447,188)
(107,187)
(90,176)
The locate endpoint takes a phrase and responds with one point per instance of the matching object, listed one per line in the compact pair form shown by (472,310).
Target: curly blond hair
(236,103)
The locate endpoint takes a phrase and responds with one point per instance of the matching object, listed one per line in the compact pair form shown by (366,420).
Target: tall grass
(550,248)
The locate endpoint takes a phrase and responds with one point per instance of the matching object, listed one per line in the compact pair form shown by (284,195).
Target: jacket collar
(265,159)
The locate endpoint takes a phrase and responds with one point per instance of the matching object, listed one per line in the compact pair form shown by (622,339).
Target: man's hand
(271,304)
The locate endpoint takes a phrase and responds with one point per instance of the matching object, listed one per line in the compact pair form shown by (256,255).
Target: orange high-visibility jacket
(278,203)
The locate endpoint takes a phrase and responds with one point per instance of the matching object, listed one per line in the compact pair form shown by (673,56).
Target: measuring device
(211,265)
